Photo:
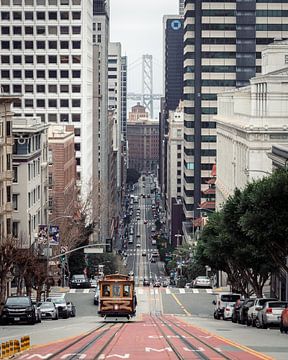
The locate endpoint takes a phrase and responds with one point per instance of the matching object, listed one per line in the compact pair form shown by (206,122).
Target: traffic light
(108,245)
(62,258)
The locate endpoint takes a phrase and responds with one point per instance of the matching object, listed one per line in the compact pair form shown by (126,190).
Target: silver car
(203,282)
(270,314)
(48,310)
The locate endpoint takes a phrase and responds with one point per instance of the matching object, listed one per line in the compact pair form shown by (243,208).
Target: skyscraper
(222,44)
(181,7)
(46,56)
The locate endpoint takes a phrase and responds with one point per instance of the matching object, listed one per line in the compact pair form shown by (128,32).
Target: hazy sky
(137,24)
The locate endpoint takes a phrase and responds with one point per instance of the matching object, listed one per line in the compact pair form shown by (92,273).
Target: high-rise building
(173,84)
(46,55)
(222,49)
(101,41)
(124,65)
(181,7)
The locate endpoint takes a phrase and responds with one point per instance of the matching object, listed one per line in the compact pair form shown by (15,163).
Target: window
(41,2)
(15,174)
(29,2)
(64,15)
(78,161)
(99,26)
(41,74)
(106,290)
(76,15)
(17,89)
(76,30)
(126,290)
(64,117)
(40,30)
(29,102)
(76,102)
(5,45)
(40,15)
(5,15)
(76,44)
(76,117)
(17,74)
(76,74)
(52,15)
(52,74)
(40,44)
(64,74)
(5,74)
(52,118)
(52,2)
(17,30)
(5,59)
(17,15)
(15,201)
(52,30)
(29,30)
(52,44)
(64,44)
(29,45)
(40,88)
(52,103)
(77,147)
(76,2)
(40,59)
(64,29)
(52,88)
(98,38)
(28,74)
(29,15)
(64,103)
(77,131)
(17,45)
(6,90)
(29,88)
(17,103)
(17,59)
(64,59)
(40,103)
(64,88)
(76,88)
(76,59)
(52,59)
(6,2)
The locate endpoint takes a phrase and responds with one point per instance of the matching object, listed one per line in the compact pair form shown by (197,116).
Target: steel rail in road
(167,322)
(83,337)
(108,342)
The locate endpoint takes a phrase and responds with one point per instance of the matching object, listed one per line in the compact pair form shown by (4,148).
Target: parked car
(18,309)
(284,321)
(253,310)
(138,245)
(203,282)
(48,310)
(71,309)
(61,305)
(79,281)
(222,301)
(270,314)
(188,285)
(144,253)
(243,311)
(93,283)
(228,311)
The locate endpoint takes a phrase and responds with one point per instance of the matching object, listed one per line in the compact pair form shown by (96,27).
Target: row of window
(234,13)
(39,44)
(40,30)
(205,152)
(204,124)
(219,82)
(212,68)
(51,103)
(39,15)
(230,41)
(53,118)
(43,88)
(41,59)
(39,2)
(204,138)
(51,74)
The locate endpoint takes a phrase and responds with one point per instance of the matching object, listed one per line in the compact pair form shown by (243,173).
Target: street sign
(93,251)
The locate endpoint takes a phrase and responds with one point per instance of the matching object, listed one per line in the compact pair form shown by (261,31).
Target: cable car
(117,296)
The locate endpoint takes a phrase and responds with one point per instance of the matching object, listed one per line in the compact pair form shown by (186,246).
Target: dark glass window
(17,45)
(17,15)
(76,15)
(40,44)
(41,74)
(52,44)
(64,88)
(5,45)
(29,30)
(40,15)
(29,45)
(17,74)
(40,103)
(64,117)
(76,73)
(28,15)
(76,59)
(52,15)
(17,89)
(28,74)
(28,59)
(64,103)
(52,74)
(5,15)
(76,117)
(5,30)
(76,88)
(52,59)
(40,59)
(76,29)
(29,103)
(64,15)
(64,30)
(52,103)
(76,102)
(64,44)
(29,88)
(76,44)
(5,74)
(64,59)
(52,88)
(17,59)
(64,74)
(5,59)
(41,30)
(40,88)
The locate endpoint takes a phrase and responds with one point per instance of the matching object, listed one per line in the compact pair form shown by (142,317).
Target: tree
(132,176)
(8,251)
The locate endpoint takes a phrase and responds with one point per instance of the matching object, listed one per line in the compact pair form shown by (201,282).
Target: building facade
(137,112)
(143,145)
(6,142)
(249,121)
(30,180)
(222,49)
(46,55)
(62,171)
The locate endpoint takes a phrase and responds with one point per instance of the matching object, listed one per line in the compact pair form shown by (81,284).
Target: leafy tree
(132,176)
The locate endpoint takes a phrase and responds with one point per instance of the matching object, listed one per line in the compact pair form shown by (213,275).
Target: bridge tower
(147,83)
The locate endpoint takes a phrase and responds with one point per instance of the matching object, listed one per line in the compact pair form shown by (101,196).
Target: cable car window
(116,290)
(106,290)
(126,290)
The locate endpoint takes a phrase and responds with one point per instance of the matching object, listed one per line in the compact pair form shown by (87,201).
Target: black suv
(79,281)
(20,309)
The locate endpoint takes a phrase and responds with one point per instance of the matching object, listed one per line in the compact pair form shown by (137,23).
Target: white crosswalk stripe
(195,291)
(168,291)
(86,291)
(182,291)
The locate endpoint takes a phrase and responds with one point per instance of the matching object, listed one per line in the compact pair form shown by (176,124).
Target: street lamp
(177,236)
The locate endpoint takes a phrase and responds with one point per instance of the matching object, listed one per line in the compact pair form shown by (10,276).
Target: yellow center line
(230,342)
(180,304)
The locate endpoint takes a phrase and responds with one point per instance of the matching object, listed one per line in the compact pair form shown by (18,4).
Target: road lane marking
(86,291)
(181,306)
(168,291)
(182,291)
(72,291)
(195,291)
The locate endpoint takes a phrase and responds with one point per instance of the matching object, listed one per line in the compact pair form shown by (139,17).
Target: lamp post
(177,236)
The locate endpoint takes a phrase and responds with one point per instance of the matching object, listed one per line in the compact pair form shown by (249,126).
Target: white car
(227,313)
(203,282)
